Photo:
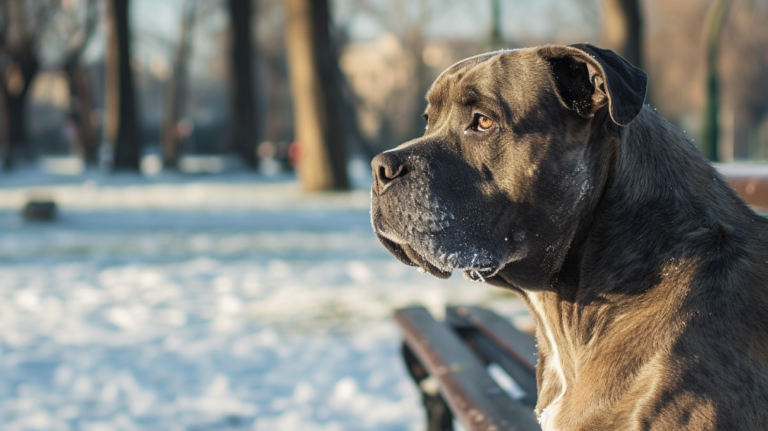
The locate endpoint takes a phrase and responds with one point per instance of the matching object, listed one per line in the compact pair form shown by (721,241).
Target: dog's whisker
(480,276)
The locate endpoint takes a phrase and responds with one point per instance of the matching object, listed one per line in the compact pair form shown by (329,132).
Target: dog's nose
(386,167)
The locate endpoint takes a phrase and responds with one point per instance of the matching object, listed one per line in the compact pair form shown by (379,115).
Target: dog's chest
(554,373)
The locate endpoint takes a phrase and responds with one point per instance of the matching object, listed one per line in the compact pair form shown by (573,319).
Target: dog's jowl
(541,170)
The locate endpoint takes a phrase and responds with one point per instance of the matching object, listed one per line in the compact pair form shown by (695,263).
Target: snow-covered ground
(206,303)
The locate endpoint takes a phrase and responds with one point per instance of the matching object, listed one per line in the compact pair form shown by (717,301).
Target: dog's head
(507,164)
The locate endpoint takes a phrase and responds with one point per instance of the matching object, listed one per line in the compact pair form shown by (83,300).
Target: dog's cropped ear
(588,78)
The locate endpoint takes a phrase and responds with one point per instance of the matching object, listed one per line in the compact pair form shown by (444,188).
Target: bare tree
(272,52)
(176,90)
(404,22)
(622,26)
(743,67)
(242,94)
(73,29)
(21,24)
(121,128)
(495,40)
(316,96)
(408,20)
(712,25)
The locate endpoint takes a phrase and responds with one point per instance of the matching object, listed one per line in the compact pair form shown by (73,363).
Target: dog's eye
(481,123)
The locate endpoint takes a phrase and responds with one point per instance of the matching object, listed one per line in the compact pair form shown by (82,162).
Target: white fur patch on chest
(548,414)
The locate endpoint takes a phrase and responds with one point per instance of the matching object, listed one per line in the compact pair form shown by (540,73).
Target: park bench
(473,366)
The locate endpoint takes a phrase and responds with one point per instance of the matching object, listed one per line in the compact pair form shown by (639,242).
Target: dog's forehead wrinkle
(459,73)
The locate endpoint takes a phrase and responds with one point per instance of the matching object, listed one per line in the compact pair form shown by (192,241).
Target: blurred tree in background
(743,79)
(622,29)
(278,115)
(78,24)
(212,83)
(121,128)
(243,105)
(316,96)
(394,72)
(711,40)
(496,40)
(177,86)
(409,20)
(676,63)
(21,26)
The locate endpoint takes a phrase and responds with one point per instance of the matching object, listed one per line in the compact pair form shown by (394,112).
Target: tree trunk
(712,25)
(169,136)
(242,95)
(177,89)
(14,90)
(316,96)
(80,111)
(20,67)
(4,140)
(495,41)
(121,123)
(622,24)
(17,129)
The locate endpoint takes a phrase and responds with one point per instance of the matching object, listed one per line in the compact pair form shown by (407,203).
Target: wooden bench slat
(518,345)
(475,398)
(492,338)
(493,354)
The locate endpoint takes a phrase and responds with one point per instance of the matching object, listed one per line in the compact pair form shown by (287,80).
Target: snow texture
(227,303)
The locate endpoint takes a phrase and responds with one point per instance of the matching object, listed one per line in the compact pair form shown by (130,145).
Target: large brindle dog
(541,170)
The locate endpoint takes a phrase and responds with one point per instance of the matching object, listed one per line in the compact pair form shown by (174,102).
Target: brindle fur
(645,272)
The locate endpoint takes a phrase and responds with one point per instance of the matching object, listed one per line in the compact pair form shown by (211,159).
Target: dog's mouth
(406,254)
(400,248)
(432,250)
(480,274)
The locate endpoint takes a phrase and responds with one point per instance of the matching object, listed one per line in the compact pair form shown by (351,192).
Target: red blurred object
(294,151)
(266,150)
(753,189)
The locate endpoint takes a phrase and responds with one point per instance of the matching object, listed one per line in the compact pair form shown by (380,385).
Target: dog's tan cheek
(521,185)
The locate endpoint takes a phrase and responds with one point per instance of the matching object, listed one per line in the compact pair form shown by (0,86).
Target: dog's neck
(658,191)
(653,190)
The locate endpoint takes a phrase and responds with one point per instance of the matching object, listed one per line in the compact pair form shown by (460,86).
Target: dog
(542,170)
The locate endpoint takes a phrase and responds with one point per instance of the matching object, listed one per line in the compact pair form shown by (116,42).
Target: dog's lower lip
(481,274)
(405,253)
(379,190)
(382,229)
(383,189)
(425,264)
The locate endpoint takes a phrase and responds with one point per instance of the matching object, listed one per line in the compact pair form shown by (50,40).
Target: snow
(229,302)
(742,169)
